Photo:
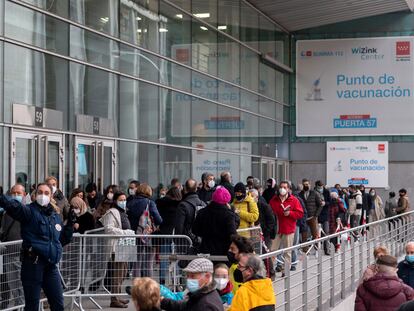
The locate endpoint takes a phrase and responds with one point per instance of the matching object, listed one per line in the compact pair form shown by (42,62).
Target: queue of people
(208,213)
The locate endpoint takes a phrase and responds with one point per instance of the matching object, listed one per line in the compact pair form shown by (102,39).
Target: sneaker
(124,301)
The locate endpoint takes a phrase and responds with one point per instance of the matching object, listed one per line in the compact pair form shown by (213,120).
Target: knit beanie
(221,195)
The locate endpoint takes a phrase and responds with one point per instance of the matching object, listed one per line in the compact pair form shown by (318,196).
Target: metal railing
(97,266)
(321,281)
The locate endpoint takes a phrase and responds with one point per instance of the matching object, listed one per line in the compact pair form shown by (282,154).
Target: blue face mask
(18,198)
(192,285)
(121,204)
(409,258)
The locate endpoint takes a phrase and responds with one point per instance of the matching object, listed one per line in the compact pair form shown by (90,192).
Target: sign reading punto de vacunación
(357,162)
(358,86)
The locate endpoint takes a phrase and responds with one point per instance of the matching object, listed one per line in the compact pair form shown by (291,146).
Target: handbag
(146,225)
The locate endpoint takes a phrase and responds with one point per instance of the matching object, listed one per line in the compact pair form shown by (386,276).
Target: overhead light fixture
(180,16)
(222,27)
(202,15)
(139,30)
(203,28)
(163,30)
(104,19)
(138,18)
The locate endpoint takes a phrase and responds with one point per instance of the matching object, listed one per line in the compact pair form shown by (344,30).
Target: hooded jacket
(247,210)
(382,292)
(257,294)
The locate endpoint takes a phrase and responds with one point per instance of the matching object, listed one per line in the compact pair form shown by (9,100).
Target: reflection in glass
(140,64)
(85,165)
(34,28)
(249,69)
(101,15)
(175,163)
(229,17)
(53,159)
(36,79)
(205,10)
(249,25)
(204,48)
(25,162)
(107,166)
(60,7)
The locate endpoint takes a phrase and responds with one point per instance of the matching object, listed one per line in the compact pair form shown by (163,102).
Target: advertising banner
(358,86)
(356,163)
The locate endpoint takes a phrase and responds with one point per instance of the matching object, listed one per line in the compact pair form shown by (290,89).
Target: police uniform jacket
(41,228)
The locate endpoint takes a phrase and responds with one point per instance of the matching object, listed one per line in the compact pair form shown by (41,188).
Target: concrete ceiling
(301,14)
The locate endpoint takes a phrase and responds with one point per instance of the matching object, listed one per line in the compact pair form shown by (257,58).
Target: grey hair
(256,264)
(254,191)
(387,269)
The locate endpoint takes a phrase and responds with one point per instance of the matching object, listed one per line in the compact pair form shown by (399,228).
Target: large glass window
(34,28)
(174,163)
(228,59)
(139,20)
(34,79)
(93,92)
(249,69)
(101,15)
(60,7)
(139,64)
(175,34)
(229,17)
(205,10)
(139,110)
(94,49)
(204,48)
(249,25)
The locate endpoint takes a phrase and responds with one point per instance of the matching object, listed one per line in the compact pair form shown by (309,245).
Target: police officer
(43,236)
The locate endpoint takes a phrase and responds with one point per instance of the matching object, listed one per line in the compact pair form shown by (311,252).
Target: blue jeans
(38,275)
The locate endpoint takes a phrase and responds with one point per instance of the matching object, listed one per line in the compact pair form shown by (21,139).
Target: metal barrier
(97,266)
(320,282)
(255,236)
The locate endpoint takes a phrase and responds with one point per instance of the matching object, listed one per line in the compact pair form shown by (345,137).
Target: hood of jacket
(248,199)
(262,288)
(384,286)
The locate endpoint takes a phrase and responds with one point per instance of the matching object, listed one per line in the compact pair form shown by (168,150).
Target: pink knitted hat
(221,195)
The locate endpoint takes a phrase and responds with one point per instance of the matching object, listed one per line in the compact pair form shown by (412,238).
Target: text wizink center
(107,91)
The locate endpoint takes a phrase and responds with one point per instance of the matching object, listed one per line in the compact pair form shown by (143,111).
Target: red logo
(381,148)
(182,55)
(308,53)
(403,48)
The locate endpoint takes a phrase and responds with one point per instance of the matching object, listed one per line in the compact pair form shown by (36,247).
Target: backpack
(146,224)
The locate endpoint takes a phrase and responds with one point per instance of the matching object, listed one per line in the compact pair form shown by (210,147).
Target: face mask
(240,197)
(18,198)
(282,191)
(231,257)
(319,189)
(221,283)
(192,285)
(110,196)
(131,191)
(306,188)
(238,276)
(211,184)
(54,189)
(43,200)
(76,211)
(409,258)
(121,204)
(162,196)
(372,193)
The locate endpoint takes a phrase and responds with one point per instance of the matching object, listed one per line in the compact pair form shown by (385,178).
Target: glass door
(35,156)
(268,170)
(95,162)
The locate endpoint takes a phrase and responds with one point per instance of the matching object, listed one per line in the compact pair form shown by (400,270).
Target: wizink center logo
(403,51)
(367,52)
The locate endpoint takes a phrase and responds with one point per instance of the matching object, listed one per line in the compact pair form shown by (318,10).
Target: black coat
(406,272)
(266,219)
(313,203)
(86,222)
(168,210)
(205,195)
(229,187)
(187,214)
(215,224)
(206,299)
(268,194)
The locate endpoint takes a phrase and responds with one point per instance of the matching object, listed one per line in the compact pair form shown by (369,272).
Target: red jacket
(286,224)
(382,292)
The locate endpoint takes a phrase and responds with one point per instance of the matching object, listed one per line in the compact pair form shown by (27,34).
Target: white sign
(356,163)
(355,87)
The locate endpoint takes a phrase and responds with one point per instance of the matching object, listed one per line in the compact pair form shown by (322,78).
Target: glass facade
(144,89)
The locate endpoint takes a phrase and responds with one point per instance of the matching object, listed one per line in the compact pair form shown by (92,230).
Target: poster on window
(360,86)
(357,163)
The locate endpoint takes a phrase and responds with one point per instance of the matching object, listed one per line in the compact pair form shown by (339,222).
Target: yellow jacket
(248,211)
(257,294)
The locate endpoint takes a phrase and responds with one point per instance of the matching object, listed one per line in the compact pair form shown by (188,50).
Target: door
(267,170)
(35,156)
(95,162)
(282,170)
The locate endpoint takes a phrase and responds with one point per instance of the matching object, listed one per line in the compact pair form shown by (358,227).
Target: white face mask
(221,283)
(54,189)
(76,211)
(42,200)
(282,191)
(131,191)
(211,184)
(110,196)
